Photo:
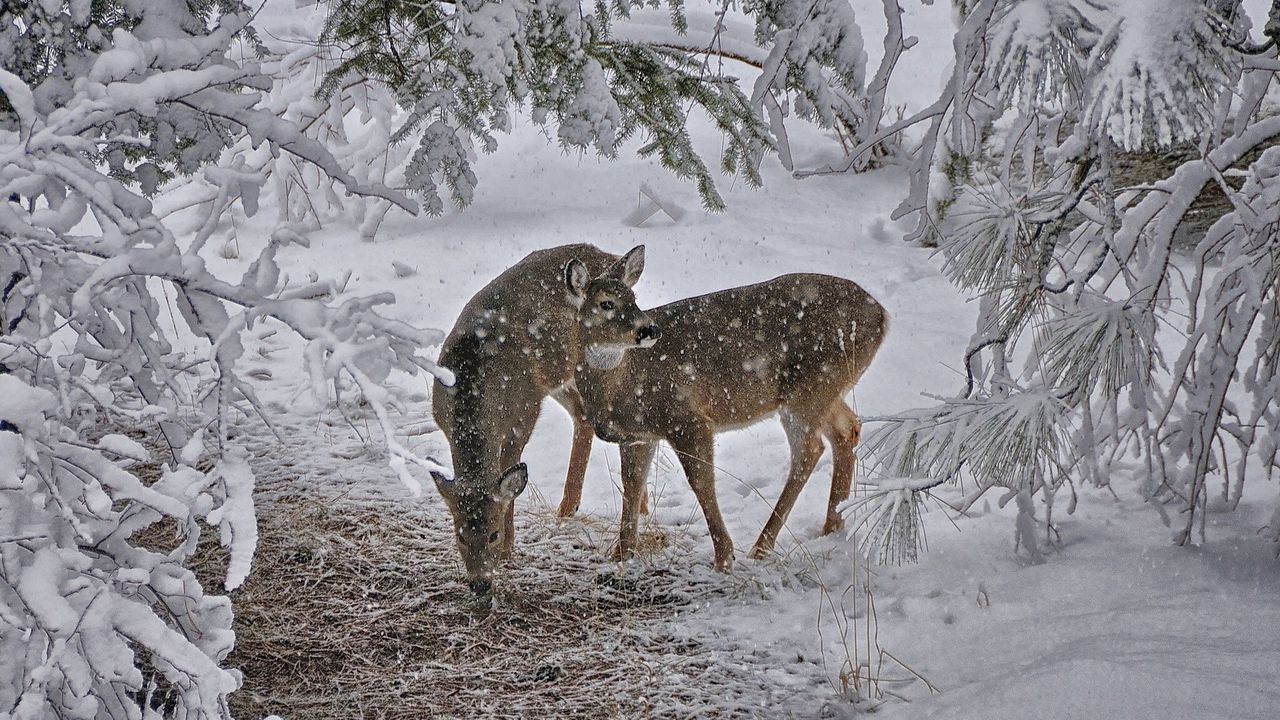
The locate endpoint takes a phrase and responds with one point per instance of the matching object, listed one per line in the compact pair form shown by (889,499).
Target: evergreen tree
(49,45)
(462,69)
(1097,338)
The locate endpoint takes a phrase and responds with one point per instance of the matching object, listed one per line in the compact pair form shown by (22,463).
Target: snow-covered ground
(1116,623)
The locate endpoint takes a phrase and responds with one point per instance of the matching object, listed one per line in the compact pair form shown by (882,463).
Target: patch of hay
(357,610)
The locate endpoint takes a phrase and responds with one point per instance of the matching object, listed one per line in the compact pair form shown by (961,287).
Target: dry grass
(356,610)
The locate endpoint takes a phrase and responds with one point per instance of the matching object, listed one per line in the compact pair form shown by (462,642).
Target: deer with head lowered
(682,372)
(514,344)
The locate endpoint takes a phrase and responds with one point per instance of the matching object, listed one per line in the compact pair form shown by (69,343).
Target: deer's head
(608,317)
(479,507)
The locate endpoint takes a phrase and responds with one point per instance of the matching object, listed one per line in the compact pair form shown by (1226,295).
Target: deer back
(732,357)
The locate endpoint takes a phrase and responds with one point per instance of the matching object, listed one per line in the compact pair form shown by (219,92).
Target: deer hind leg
(805,440)
(636,458)
(843,430)
(696,450)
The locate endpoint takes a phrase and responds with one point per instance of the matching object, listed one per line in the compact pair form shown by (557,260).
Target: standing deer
(514,344)
(685,371)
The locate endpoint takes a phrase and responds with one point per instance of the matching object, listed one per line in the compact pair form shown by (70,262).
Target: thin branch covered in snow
(1109,324)
(94,624)
(886,519)
(599,74)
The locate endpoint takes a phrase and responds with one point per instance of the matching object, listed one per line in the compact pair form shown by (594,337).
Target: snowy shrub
(1034,54)
(815,55)
(100,103)
(954,126)
(1107,330)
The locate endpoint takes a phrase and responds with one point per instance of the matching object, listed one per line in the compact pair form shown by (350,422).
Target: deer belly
(739,402)
(613,431)
(623,423)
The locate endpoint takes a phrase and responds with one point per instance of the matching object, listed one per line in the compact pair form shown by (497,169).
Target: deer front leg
(512,449)
(578,456)
(635,468)
(696,449)
(576,477)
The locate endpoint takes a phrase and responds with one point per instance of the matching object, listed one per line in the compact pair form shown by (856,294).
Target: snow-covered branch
(96,619)
(1080,278)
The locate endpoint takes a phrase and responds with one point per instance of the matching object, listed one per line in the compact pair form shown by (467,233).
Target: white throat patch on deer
(606,357)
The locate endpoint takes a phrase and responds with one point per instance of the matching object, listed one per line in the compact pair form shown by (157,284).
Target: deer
(514,344)
(681,373)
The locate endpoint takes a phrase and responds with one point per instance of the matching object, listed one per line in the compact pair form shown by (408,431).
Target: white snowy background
(1117,623)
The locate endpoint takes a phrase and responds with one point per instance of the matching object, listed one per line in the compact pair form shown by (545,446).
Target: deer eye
(493,536)
(606,305)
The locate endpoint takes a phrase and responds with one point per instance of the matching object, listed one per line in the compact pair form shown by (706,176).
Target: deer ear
(513,481)
(445,486)
(575,281)
(628,267)
(444,483)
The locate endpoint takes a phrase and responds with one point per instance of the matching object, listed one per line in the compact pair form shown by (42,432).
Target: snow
(235,518)
(20,98)
(489,38)
(1116,623)
(593,118)
(1113,623)
(12,459)
(24,406)
(1147,93)
(124,447)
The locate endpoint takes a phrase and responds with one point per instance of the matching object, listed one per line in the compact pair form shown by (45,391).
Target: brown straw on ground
(356,610)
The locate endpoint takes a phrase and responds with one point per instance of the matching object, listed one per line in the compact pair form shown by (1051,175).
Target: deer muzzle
(647,335)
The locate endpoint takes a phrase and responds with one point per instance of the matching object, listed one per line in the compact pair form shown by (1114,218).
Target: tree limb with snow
(599,74)
(1109,327)
(93,622)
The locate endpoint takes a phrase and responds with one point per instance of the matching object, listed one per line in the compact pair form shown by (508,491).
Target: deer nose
(649,332)
(480,587)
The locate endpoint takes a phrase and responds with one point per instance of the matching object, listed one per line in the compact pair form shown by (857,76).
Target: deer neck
(603,357)
(602,367)
(479,412)
(476,443)
(605,386)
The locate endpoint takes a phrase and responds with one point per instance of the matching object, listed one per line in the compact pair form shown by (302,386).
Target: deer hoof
(567,510)
(832,525)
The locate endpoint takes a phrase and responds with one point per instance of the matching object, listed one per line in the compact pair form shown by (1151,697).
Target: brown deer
(683,372)
(514,344)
